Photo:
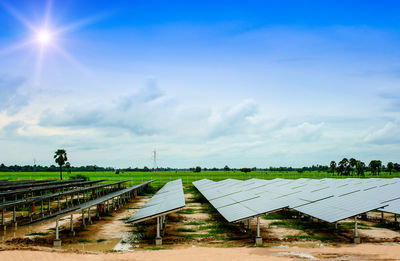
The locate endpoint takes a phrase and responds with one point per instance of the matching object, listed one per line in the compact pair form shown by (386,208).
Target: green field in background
(187,176)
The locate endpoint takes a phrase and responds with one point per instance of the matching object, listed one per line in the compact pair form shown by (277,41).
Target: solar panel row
(169,198)
(330,200)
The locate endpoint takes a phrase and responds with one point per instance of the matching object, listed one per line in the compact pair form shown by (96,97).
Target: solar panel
(168,199)
(328,199)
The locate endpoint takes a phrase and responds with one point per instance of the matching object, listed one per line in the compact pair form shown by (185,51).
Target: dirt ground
(198,233)
(358,252)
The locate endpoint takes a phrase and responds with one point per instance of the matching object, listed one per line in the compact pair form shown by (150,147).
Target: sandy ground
(359,252)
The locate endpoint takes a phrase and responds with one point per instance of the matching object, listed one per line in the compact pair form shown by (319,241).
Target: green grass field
(187,176)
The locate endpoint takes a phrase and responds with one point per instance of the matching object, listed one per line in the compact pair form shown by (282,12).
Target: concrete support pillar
(336,225)
(258,237)
(57,241)
(158,240)
(248,230)
(356,239)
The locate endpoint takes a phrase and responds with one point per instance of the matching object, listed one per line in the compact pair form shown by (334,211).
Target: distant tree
(95,168)
(352,163)
(375,166)
(343,166)
(197,169)
(146,169)
(333,166)
(245,170)
(360,166)
(396,166)
(390,166)
(226,168)
(68,166)
(60,157)
(379,166)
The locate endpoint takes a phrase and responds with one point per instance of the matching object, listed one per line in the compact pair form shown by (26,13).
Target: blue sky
(209,83)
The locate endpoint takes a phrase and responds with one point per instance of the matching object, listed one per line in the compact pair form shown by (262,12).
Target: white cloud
(389,134)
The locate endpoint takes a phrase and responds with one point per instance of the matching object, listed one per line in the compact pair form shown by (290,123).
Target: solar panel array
(330,200)
(168,199)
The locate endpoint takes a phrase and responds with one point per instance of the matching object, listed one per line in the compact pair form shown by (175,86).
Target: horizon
(205,83)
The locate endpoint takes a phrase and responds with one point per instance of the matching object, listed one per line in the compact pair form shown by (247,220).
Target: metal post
(382,217)
(14,215)
(395,218)
(258,237)
(72,224)
(89,217)
(83,218)
(41,207)
(2,212)
(57,241)
(356,237)
(58,204)
(57,230)
(158,237)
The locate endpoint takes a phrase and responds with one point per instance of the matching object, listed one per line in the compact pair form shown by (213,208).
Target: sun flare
(44,37)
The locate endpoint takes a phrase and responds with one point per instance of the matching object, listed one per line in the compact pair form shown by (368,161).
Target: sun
(44,37)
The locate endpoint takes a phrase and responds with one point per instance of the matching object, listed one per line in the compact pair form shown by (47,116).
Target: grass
(195,223)
(272,216)
(84,240)
(37,234)
(288,224)
(156,248)
(183,229)
(187,211)
(350,225)
(187,176)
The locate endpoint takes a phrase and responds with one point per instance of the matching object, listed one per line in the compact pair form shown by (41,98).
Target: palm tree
(60,157)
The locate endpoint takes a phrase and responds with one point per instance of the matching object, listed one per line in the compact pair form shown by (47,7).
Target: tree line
(352,166)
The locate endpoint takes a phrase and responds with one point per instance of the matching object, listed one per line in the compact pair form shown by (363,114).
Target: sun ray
(18,16)
(44,38)
(79,24)
(71,59)
(16,47)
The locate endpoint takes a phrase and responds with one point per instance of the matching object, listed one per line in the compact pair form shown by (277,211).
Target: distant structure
(155,161)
